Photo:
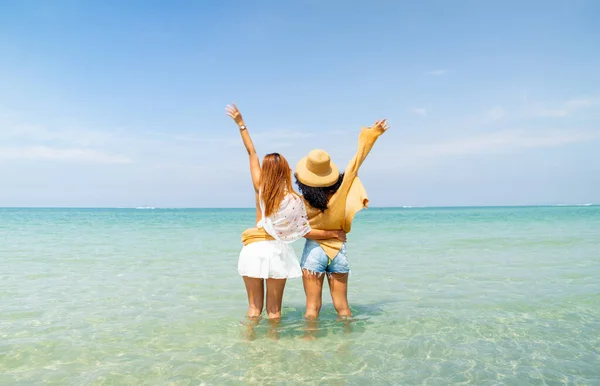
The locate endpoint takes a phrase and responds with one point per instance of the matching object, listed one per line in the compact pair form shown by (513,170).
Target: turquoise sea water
(482,296)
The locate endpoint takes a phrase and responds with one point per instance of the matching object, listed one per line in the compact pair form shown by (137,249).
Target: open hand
(381,126)
(234,113)
(340,235)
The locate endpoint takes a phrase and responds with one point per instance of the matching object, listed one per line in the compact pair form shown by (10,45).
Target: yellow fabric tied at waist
(254,235)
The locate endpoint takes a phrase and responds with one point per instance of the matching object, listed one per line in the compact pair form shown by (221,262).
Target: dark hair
(318,197)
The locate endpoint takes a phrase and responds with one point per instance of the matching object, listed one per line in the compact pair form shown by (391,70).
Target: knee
(273,312)
(343,311)
(311,315)
(312,311)
(254,310)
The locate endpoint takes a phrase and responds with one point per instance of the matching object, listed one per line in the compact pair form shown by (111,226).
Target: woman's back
(349,196)
(289,223)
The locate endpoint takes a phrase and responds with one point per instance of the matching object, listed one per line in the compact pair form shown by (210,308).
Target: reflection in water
(294,325)
(250,324)
(347,323)
(312,326)
(273,332)
(301,351)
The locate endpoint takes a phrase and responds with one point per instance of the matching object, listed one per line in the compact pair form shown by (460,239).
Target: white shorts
(269,260)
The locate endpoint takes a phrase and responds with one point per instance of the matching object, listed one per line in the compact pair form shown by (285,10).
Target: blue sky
(111,103)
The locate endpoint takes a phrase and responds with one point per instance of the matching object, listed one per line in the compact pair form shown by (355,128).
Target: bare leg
(313,287)
(275,289)
(256,294)
(338,286)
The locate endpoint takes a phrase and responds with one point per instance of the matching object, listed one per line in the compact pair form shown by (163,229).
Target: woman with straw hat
(281,219)
(332,199)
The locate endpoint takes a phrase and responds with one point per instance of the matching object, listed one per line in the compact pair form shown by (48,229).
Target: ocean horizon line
(250,208)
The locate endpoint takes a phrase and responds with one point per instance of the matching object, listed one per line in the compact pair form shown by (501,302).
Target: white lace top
(289,223)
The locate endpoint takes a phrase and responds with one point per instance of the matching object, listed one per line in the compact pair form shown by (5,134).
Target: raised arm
(366,140)
(235,114)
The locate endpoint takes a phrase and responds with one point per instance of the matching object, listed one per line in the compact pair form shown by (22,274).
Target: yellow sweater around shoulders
(350,198)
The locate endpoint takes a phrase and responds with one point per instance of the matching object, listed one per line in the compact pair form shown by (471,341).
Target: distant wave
(145,207)
(590,204)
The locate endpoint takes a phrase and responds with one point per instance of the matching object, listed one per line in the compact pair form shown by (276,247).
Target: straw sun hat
(317,170)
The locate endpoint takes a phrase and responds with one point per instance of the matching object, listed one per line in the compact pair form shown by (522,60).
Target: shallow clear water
(440,296)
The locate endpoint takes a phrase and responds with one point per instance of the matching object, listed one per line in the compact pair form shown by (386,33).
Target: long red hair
(275,180)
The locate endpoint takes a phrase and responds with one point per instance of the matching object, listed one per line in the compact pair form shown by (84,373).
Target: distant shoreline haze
(250,208)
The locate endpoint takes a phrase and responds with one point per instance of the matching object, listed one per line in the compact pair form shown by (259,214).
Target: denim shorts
(314,259)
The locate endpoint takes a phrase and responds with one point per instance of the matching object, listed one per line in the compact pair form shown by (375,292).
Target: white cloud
(37,142)
(177,165)
(438,72)
(567,108)
(502,140)
(494,114)
(283,134)
(489,116)
(41,134)
(420,111)
(70,154)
